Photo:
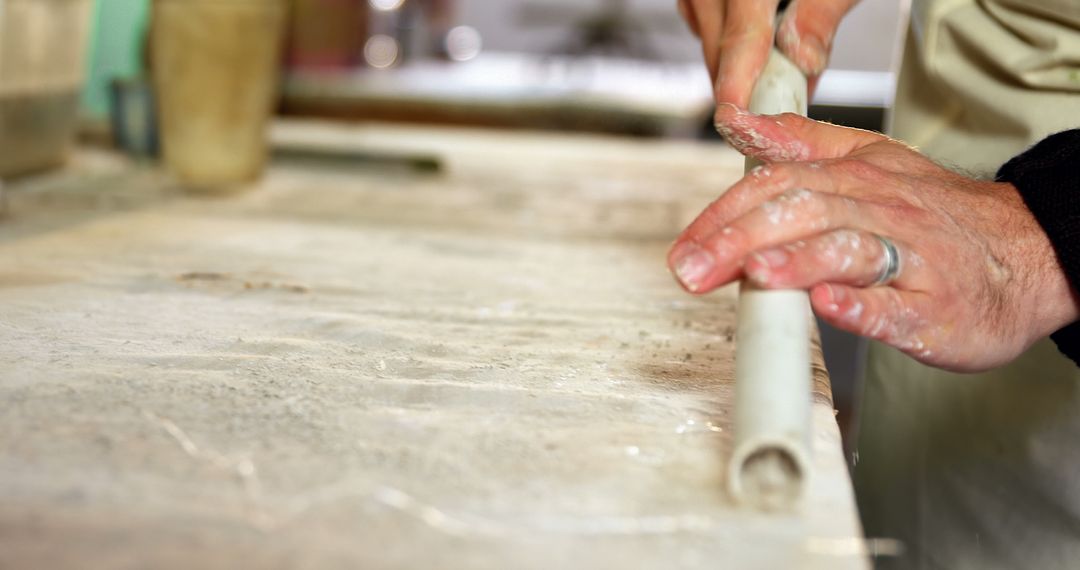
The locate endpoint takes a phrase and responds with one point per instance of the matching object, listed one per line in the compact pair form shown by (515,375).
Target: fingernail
(723,109)
(812,55)
(829,298)
(838,295)
(692,265)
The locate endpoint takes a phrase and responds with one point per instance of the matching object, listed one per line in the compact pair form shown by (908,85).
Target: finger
(744,49)
(760,185)
(788,137)
(806,32)
(796,214)
(709,15)
(884,314)
(811,87)
(847,257)
(687,13)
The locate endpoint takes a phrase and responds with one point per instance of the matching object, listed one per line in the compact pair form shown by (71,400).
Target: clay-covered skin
(979,281)
(736,36)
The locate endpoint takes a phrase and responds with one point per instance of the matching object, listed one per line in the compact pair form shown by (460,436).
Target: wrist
(1044,177)
(1043,294)
(1054,302)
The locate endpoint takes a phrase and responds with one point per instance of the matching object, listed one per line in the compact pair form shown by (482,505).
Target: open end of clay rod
(771,478)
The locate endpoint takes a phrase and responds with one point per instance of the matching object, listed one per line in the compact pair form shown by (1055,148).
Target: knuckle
(838,250)
(799,196)
(904,321)
(893,302)
(796,205)
(746,32)
(809,203)
(742,193)
(798,250)
(787,35)
(895,208)
(850,239)
(859,169)
(778,175)
(876,326)
(713,214)
(790,120)
(760,173)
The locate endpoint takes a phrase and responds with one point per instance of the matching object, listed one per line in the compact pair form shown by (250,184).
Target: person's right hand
(977,279)
(736,36)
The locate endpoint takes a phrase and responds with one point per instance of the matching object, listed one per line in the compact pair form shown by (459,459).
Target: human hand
(978,283)
(736,36)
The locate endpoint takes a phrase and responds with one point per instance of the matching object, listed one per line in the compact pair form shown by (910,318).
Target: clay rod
(770,464)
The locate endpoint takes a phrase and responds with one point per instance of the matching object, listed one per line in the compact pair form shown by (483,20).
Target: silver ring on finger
(890,263)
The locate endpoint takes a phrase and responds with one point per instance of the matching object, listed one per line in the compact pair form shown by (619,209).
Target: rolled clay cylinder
(770,465)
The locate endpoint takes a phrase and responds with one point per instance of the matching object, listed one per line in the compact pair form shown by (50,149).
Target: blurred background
(620,66)
(123,73)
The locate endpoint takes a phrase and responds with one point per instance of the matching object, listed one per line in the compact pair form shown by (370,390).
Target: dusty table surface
(484,367)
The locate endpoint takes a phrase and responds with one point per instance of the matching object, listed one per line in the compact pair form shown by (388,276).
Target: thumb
(788,137)
(806,32)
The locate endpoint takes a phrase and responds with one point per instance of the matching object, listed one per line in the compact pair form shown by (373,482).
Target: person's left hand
(737,35)
(979,281)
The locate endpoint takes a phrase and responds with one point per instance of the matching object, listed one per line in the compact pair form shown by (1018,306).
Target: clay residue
(743,131)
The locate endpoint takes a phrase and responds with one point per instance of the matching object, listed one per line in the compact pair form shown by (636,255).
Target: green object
(116,50)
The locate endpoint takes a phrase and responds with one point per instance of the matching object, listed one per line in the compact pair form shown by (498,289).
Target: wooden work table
(483,366)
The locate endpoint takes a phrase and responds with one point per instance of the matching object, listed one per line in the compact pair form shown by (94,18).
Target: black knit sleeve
(1048,178)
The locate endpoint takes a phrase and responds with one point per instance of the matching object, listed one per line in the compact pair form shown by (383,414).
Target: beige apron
(979,471)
